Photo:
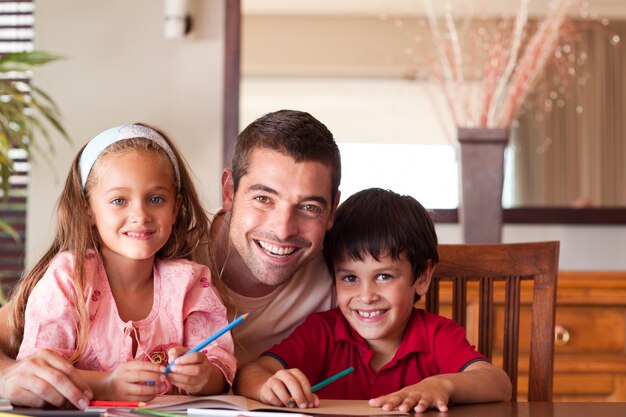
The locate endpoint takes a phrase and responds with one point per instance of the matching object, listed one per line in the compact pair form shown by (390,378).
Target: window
(315,39)
(16,35)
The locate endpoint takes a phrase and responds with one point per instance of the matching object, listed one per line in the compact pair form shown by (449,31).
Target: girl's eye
(117,201)
(349,278)
(156,200)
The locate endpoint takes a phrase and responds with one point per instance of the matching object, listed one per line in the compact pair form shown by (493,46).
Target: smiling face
(376,297)
(278,218)
(133,204)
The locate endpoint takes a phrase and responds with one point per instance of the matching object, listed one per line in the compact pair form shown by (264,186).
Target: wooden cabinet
(590,351)
(590,335)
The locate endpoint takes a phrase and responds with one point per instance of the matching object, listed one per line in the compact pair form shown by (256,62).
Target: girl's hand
(190,373)
(135,381)
(288,387)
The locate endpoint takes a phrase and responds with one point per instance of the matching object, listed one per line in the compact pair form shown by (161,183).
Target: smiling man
(278,201)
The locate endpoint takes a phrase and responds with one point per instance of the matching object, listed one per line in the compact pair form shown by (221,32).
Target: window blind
(16,35)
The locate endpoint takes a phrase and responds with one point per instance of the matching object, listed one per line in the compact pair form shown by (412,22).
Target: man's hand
(44,377)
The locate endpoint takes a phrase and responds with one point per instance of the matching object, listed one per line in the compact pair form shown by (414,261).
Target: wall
(343,104)
(335,60)
(582,247)
(118,68)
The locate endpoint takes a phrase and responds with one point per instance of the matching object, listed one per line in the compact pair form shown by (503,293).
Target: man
(278,200)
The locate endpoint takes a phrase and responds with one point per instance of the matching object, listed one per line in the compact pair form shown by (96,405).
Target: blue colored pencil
(211,339)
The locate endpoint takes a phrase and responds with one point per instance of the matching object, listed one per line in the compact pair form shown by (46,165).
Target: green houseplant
(26,113)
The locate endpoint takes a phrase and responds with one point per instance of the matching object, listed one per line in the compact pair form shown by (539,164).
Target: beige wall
(330,58)
(119,68)
(611,8)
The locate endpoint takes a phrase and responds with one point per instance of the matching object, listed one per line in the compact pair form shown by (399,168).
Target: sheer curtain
(570,145)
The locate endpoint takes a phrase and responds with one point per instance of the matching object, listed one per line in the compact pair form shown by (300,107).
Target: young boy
(381,251)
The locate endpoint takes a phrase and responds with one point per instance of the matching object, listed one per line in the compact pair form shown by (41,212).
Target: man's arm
(44,377)
(250,377)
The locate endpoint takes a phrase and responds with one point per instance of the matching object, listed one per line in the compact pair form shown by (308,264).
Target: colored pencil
(149,412)
(128,404)
(328,380)
(39,412)
(333,378)
(211,339)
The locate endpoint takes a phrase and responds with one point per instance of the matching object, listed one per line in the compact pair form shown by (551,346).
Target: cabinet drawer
(590,314)
(583,329)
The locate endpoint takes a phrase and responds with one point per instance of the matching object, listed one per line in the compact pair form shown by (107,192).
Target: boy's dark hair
(379,222)
(293,133)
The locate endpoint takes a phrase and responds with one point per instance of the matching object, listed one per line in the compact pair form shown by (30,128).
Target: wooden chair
(511,263)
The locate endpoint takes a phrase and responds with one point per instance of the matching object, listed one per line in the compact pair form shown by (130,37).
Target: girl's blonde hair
(74,233)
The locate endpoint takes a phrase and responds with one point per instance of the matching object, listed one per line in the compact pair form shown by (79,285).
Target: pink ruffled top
(185,310)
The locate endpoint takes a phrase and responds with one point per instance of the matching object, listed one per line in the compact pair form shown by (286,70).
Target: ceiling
(601,8)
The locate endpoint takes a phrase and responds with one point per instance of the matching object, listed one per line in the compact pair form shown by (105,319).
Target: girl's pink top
(185,310)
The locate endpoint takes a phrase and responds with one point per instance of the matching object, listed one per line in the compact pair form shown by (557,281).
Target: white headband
(115,134)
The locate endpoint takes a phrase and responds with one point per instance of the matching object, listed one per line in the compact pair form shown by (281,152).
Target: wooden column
(482,178)
(232,75)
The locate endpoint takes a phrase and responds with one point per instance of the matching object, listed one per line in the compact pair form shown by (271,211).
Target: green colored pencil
(149,412)
(328,380)
(333,378)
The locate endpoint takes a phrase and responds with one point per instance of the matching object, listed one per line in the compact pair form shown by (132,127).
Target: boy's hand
(135,381)
(433,392)
(288,387)
(191,372)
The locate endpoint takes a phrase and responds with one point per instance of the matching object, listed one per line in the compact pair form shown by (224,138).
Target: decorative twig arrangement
(515,54)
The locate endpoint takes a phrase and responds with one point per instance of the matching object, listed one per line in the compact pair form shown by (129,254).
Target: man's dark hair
(293,133)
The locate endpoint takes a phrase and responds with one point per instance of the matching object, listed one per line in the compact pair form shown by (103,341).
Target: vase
(482,177)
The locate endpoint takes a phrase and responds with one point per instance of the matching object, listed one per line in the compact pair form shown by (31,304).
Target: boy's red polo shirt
(326,344)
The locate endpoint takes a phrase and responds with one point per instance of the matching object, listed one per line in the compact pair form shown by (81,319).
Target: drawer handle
(561,335)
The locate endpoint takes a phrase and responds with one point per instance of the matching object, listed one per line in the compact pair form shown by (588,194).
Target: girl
(116,294)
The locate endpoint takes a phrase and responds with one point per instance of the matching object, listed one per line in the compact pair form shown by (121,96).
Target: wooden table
(536,409)
(520,409)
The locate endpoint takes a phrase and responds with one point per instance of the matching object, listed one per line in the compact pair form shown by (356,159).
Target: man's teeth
(277,250)
(370,314)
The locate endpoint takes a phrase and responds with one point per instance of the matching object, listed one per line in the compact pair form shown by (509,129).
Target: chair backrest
(511,263)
